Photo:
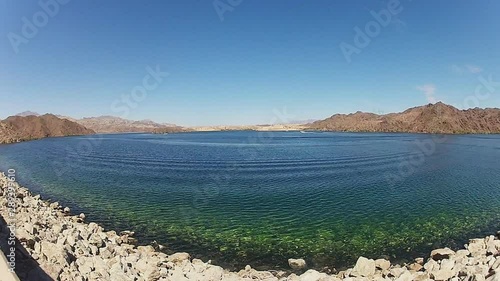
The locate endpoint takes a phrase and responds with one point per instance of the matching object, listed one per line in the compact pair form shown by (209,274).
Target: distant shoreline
(251,130)
(437,118)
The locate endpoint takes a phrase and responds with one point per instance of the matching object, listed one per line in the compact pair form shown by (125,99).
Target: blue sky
(250,62)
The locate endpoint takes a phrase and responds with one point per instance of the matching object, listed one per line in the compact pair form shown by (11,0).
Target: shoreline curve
(53,243)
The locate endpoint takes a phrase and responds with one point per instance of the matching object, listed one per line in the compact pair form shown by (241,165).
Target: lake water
(260,198)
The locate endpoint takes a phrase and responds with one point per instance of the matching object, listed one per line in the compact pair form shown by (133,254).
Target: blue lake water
(260,198)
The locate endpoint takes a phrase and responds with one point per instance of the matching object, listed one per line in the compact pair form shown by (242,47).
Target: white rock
(54,253)
(406,276)
(297,264)
(53,270)
(70,239)
(415,266)
(57,228)
(419,261)
(153,274)
(447,264)
(23,235)
(29,228)
(397,271)
(177,274)
(444,253)
(382,264)
(92,227)
(127,232)
(146,249)
(477,247)
(496,264)
(493,247)
(178,257)
(479,277)
(442,274)
(462,253)
(364,267)
(214,273)
(494,277)
(312,275)
(100,264)
(96,240)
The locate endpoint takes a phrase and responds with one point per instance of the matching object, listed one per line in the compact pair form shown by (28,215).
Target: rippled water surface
(261,198)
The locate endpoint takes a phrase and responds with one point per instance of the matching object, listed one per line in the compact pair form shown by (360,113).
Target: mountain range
(31,127)
(113,124)
(431,118)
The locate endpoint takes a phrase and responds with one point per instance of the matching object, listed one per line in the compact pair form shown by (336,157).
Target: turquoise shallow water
(260,198)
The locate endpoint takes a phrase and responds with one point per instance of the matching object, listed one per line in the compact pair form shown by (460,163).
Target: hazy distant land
(430,118)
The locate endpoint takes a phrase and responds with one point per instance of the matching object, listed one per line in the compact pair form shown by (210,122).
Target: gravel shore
(53,244)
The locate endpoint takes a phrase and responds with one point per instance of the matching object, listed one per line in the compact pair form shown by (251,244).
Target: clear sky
(245,61)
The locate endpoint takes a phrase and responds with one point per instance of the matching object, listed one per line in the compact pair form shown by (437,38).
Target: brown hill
(431,118)
(24,128)
(112,124)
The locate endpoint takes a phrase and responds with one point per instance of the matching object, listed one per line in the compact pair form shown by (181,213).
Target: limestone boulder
(55,254)
(382,264)
(444,253)
(178,257)
(364,268)
(297,264)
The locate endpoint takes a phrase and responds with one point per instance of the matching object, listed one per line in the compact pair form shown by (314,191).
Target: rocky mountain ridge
(112,124)
(430,118)
(31,127)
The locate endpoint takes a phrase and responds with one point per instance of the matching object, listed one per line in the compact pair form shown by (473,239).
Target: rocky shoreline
(52,244)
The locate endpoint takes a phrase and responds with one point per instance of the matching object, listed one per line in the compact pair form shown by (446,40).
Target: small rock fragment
(297,264)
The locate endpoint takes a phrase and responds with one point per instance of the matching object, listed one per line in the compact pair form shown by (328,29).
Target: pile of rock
(65,247)
(480,261)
